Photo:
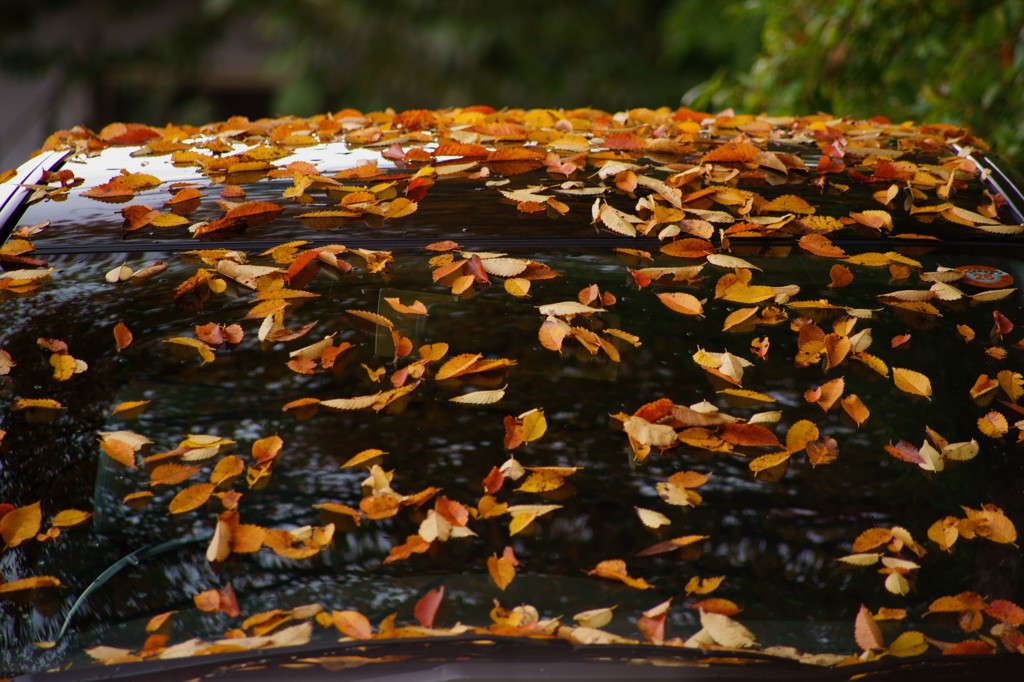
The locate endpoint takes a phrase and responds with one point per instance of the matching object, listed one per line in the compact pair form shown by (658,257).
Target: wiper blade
(484,656)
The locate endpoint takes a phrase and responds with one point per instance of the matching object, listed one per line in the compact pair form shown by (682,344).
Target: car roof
(853,179)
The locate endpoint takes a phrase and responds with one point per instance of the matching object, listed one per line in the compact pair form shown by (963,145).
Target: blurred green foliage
(956,61)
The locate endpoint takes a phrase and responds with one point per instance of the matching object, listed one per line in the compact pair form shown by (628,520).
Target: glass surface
(775,537)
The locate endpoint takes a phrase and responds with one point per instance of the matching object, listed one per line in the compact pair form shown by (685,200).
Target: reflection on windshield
(774,537)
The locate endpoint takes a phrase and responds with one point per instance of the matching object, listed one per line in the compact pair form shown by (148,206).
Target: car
(507,392)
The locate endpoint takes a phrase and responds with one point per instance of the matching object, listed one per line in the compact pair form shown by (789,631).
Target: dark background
(93,62)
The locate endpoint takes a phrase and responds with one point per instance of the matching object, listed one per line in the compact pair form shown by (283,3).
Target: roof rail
(15,192)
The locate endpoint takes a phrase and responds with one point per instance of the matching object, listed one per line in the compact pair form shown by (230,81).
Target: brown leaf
(122,337)
(866,631)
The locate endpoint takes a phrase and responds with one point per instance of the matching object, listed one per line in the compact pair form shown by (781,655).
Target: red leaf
(426,608)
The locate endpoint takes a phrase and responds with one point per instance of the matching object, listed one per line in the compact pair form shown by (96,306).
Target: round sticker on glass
(986,277)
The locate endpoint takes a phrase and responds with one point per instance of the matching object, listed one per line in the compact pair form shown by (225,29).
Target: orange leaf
(122,336)
(688,248)
(32,583)
(191,194)
(137,216)
(352,624)
(871,538)
(743,152)
(820,245)
(266,449)
(191,497)
(855,408)
(748,434)
(171,473)
(417,307)
(70,517)
(840,276)
(681,302)
(502,571)
(615,569)
(119,451)
(717,605)
(110,191)
(20,524)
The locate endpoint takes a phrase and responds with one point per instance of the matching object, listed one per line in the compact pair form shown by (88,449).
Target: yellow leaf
(70,517)
(697,585)
(745,395)
(545,479)
(909,381)
(911,643)
(726,631)
(204,350)
(517,286)
(615,220)
(63,366)
(372,317)
(36,403)
(520,521)
(594,618)
(534,424)
(363,457)
(738,317)
(863,559)
(479,397)
(730,262)
(651,518)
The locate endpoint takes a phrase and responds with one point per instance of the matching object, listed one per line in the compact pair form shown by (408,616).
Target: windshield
(332,425)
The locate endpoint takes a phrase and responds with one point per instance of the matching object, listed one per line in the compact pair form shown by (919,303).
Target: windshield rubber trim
(470,243)
(498,648)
